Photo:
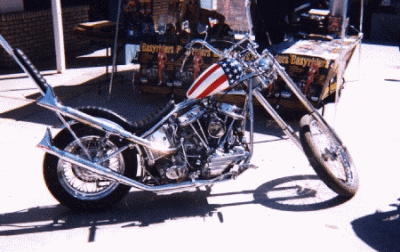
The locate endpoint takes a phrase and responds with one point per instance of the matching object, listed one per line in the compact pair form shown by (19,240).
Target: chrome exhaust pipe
(47,145)
(50,102)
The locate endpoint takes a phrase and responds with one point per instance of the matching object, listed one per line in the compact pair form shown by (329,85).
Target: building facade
(32,30)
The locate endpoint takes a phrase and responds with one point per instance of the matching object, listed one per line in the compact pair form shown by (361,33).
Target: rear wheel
(76,187)
(328,157)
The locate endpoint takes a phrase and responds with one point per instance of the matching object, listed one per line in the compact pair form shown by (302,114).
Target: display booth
(315,54)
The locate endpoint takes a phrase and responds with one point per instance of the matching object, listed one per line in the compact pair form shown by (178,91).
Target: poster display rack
(315,61)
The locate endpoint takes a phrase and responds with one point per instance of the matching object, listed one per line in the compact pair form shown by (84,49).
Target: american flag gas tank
(218,77)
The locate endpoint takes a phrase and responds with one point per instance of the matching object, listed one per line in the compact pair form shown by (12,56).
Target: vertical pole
(341,65)
(58,35)
(360,34)
(361,15)
(115,50)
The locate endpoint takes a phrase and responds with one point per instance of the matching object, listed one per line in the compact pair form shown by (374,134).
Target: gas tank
(217,78)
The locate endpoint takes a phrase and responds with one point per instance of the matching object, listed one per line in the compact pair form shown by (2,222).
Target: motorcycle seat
(138,127)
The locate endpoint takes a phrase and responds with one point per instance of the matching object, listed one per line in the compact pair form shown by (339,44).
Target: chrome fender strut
(50,102)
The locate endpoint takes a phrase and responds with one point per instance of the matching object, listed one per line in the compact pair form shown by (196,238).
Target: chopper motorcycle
(98,156)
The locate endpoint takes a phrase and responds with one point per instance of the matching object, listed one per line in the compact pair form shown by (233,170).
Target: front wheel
(328,157)
(74,186)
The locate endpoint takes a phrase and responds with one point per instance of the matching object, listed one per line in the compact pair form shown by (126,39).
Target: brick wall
(33,33)
(233,10)
(160,7)
(235,14)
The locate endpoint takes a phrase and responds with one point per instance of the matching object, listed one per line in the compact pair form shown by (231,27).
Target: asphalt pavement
(281,206)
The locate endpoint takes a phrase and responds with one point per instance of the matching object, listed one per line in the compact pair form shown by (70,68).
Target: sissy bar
(26,65)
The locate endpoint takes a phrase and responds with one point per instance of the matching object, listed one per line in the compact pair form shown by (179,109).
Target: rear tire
(78,188)
(330,159)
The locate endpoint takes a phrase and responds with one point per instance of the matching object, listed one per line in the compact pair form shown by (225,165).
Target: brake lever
(180,53)
(184,60)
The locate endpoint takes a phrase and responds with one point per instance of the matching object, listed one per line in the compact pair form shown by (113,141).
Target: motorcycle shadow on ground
(380,230)
(142,209)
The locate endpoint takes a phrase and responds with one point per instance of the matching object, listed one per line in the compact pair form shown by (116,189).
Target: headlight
(265,64)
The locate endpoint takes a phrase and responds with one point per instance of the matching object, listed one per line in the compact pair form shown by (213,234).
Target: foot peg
(243,167)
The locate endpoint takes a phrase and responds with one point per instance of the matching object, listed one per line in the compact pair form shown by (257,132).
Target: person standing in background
(192,12)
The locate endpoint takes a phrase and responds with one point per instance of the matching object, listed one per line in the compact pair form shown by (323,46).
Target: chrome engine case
(219,161)
(208,144)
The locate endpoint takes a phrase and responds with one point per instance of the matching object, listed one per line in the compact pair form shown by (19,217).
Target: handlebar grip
(180,54)
(31,69)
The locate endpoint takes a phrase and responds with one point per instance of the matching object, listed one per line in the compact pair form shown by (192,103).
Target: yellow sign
(297,60)
(155,48)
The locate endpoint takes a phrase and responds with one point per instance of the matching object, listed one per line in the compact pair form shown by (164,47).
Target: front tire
(330,159)
(78,188)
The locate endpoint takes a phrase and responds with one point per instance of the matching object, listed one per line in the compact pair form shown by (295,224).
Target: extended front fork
(278,119)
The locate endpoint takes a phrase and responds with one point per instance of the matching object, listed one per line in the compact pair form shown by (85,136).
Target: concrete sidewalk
(18,93)
(282,206)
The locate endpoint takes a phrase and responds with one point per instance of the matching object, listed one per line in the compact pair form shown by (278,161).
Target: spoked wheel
(77,188)
(329,158)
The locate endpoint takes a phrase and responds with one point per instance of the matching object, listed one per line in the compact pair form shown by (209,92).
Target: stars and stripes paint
(218,77)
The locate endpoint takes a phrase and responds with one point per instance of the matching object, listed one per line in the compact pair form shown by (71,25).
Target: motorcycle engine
(211,138)
(173,169)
